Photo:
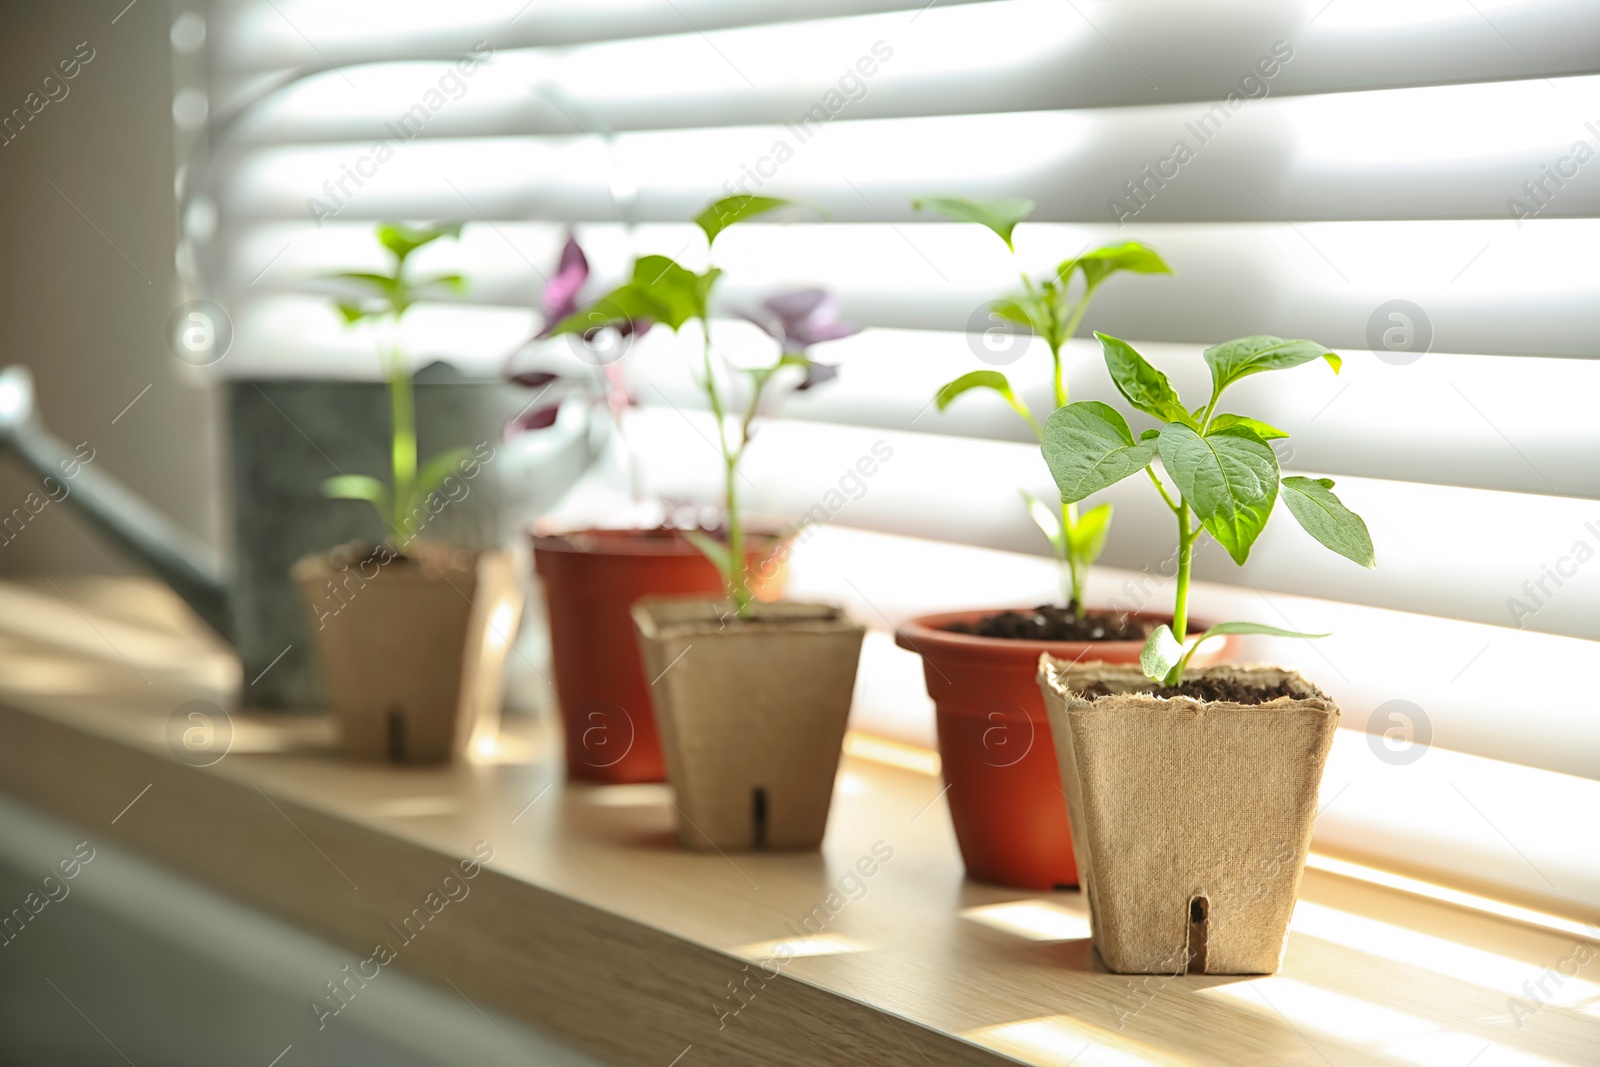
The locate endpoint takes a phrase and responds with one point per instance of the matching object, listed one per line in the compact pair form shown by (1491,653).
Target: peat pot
(591,580)
(1192,816)
(752,716)
(994,744)
(412,648)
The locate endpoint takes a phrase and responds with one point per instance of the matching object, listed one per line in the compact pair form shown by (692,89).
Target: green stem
(735,580)
(403,432)
(1180,607)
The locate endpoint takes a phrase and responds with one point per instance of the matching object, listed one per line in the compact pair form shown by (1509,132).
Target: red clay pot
(999,763)
(591,579)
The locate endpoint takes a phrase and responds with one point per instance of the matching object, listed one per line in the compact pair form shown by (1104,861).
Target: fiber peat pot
(994,743)
(412,648)
(1192,816)
(591,580)
(752,716)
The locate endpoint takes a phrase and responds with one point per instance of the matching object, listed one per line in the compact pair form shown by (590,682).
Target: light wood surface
(591,923)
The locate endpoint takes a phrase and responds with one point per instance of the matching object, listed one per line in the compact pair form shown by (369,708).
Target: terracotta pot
(412,649)
(591,579)
(1193,818)
(994,743)
(752,716)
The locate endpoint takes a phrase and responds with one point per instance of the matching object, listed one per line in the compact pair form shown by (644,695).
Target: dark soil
(1233,690)
(1050,622)
(429,555)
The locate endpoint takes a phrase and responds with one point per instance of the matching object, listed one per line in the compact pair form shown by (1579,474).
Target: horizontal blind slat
(1483,287)
(966,491)
(954,57)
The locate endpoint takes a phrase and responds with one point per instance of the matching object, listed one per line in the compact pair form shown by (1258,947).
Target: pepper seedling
(1224,474)
(1046,307)
(663,291)
(384,301)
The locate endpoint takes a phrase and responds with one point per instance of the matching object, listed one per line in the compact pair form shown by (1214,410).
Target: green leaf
(1230,628)
(402,240)
(1256,426)
(1107,260)
(1088,446)
(1088,535)
(454,282)
(355,487)
(1047,519)
(1000,215)
(1325,517)
(436,470)
(711,549)
(353,313)
(383,283)
(978,379)
(1244,356)
(1230,479)
(1161,654)
(1253,628)
(678,292)
(720,214)
(626,303)
(1141,384)
(1017,309)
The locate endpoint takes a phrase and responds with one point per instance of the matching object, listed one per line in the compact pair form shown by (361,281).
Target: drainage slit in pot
(758,817)
(397,736)
(1199,915)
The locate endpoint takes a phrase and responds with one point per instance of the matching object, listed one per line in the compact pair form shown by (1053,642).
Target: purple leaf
(801,319)
(816,374)
(536,419)
(560,296)
(534,379)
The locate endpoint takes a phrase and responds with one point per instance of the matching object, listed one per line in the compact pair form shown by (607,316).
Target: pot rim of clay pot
(929,631)
(636,541)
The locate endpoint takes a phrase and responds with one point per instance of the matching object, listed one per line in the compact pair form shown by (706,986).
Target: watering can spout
(190,566)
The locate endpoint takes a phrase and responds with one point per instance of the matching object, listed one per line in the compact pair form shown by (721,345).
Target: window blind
(1413,184)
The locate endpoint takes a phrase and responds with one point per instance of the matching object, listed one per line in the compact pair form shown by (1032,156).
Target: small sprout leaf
(1088,535)
(1244,356)
(1047,519)
(720,214)
(436,470)
(1161,654)
(1261,429)
(710,548)
(1105,261)
(1141,384)
(978,379)
(1000,215)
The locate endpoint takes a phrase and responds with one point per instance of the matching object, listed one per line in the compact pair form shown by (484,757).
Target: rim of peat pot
(1007,809)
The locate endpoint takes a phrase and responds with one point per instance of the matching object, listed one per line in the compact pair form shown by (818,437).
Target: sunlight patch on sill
(1061,1040)
(818,945)
(1036,920)
(892,753)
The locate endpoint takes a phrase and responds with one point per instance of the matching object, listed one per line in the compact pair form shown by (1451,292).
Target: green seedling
(663,291)
(384,300)
(1052,308)
(1224,474)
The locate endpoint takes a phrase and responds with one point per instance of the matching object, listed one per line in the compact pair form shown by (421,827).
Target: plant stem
(403,433)
(735,580)
(1180,607)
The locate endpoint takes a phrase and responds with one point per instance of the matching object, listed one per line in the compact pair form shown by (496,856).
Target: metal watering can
(284,437)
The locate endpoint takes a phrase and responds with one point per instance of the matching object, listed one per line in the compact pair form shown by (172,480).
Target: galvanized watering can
(284,437)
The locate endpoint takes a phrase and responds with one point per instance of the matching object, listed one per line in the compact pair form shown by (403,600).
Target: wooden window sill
(591,924)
